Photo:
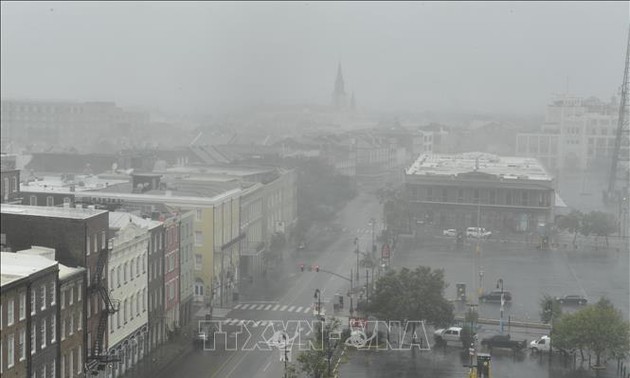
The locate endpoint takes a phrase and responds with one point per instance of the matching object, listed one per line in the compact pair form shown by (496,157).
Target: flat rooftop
(79,182)
(51,212)
(16,266)
(119,219)
(507,167)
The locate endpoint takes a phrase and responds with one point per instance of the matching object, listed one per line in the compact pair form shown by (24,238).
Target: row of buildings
(154,247)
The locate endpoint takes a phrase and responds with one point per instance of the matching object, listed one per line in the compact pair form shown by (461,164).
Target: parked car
(503,341)
(572,299)
(495,296)
(450,232)
(448,335)
(477,232)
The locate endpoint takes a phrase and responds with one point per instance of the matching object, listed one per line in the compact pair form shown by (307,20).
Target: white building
(128,327)
(577,134)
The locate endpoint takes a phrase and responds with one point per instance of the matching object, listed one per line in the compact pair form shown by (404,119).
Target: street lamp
(356,250)
(284,338)
(500,282)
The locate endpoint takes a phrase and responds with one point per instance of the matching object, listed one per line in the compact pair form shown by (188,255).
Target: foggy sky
(208,57)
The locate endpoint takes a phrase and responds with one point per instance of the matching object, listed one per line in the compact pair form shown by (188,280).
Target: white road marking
(299,309)
(267,366)
(237,306)
(275,308)
(291,308)
(259,307)
(245,306)
(283,308)
(268,307)
(307,310)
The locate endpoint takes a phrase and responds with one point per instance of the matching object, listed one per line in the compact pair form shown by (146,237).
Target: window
(22,305)
(53,367)
(63,299)
(53,329)
(66,200)
(15,184)
(71,295)
(22,345)
(103,240)
(79,320)
(198,260)
(117,319)
(43,371)
(10,312)
(144,264)
(79,361)
(42,334)
(71,324)
(118,274)
(89,308)
(131,304)
(63,328)
(10,351)
(144,302)
(126,271)
(50,201)
(131,264)
(79,291)
(33,201)
(33,341)
(53,294)
(125,312)
(198,241)
(95,242)
(87,244)
(198,215)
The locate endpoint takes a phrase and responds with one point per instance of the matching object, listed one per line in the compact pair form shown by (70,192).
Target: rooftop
(507,167)
(16,266)
(61,185)
(49,211)
(118,219)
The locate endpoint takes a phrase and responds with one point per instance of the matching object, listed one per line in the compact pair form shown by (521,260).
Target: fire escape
(99,358)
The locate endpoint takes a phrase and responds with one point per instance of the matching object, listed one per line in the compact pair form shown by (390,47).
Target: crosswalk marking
(245,306)
(291,308)
(275,308)
(307,310)
(267,307)
(238,306)
(259,307)
(299,309)
(283,308)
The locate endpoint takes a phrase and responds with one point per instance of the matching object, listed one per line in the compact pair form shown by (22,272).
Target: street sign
(285,352)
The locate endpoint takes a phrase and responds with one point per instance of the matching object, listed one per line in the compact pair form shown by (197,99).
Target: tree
(571,222)
(412,295)
(314,362)
(396,212)
(550,309)
(599,224)
(599,329)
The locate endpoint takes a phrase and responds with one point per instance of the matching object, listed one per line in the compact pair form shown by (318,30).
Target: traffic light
(317,268)
(461,291)
(302,267)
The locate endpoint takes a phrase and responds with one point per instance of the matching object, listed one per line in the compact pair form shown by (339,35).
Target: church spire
(339,97)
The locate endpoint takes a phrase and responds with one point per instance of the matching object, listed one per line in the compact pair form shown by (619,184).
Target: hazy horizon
(214,57)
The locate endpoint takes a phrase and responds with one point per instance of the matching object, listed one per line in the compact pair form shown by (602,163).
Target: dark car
(503,341)
(495,296)
(572,299)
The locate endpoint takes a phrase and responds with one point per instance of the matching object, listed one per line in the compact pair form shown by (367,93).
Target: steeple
(339,84)
(339,97)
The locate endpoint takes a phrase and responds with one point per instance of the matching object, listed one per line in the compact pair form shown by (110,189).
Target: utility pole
(356,251)
(367,286)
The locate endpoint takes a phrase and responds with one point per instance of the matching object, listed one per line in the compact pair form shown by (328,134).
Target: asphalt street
(295,303)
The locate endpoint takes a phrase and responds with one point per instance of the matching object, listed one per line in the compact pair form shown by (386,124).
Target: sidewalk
(163,356)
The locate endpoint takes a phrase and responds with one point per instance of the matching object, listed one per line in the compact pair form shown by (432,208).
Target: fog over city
(507,57)
(315,189)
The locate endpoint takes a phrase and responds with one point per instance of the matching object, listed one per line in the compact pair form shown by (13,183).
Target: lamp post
(356,251)
(373,223)
(500,282)
(284,338)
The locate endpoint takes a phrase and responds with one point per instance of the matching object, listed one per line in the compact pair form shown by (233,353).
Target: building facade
(128,327)
(171,273)
(466,190)
(29,338)
(186,266)
(80,238)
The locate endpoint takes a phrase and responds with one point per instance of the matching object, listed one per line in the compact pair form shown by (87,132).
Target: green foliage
(599,328)
(549,309)
(314,362)
(599,224)
(412,295)
(571,222)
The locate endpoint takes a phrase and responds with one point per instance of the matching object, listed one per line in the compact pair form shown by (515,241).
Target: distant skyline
(213,57)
